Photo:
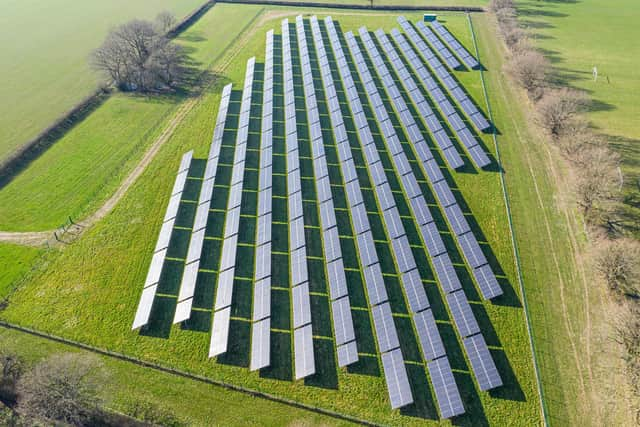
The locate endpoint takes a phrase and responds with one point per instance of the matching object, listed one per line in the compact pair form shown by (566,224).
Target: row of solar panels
(420,314)
(387,338)
(303,341)
(160,252)
(466,57)
(344,332)
(440,136)
(261,315)
(466,324)
(448,398)
(226,271)
(456,91)
(451,116)
(444,52)
(192,262)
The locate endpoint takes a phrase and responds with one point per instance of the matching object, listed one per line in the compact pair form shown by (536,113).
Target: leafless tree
(557,108)
(529,69)
(11,368)
(165,21)
(136,56)
(628,334)
(63,388)
(496,5)
(597,183)
(618,262)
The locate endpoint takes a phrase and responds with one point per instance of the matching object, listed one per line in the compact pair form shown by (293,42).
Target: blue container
(429,17)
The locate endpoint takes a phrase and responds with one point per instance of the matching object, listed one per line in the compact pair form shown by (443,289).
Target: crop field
(89,291)
(612,48)
(80,171)
(44,75)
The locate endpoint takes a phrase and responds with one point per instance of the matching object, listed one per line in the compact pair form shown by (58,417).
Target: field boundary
(186,374)
(354,6)
(514,243)
(32,149)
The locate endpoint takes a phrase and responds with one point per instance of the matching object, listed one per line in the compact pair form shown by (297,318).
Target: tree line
(139,56)
(594,168)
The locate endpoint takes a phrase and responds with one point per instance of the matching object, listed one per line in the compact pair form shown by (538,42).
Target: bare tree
(618,262)
(597,183)
(165,21)
(136,56)
(628,334)
(63,388)
(496,5)
(557,108)
(11,368)
(529,68)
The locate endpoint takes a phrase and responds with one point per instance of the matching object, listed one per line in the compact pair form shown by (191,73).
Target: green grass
(16,261)
(103,271)
(80,171)
(45,48)
(558,28)
(399,3)
(198,404)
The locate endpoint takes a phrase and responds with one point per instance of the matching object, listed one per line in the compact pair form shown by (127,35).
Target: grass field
(405,2)
(108,290)
(16,261)
(206,405)
(83,169)
(45,48)
(612,47)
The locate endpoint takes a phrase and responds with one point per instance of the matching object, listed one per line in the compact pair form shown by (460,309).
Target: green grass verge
(44,61)
(558,29)
(16,261)
(102,273)
(191,401)
(79,172)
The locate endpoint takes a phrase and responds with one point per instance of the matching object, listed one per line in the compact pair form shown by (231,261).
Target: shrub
(618,262)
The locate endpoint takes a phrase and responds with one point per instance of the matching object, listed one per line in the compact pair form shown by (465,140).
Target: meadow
(558,28)
(103,271)
(81,170)
(44,61)
(16,261)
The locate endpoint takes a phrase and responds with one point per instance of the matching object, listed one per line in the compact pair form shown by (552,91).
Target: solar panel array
(434,41)
(451,116)
(160,252)
(424,322)
(338,293)
(457,92)
(451,155)
(192,263)
(303,342)
(466,57)
(261,316)
(395,375)
(376,85)
(226,272)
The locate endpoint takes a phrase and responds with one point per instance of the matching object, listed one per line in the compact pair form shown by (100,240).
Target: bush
(63,388)
(148,412)
(618,262)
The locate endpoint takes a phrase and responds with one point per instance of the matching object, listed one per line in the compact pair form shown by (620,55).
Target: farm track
(42,238)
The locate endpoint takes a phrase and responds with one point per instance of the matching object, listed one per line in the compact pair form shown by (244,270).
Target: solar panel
(402,164)
(337,279)
(235,196)
(301,307)
(375,284)
(343,323)
(264,202)
(487,282)
(479,157)
(366,248)
(444,194)
(164,236)
(385,327)
(144,306)
(453,158)
(299,273)
(303,351)
(456,218)
(410,185)
(471,250)
(353,193)
(295,205)
(360,219)
(385,198)
(396,378)
(403,253)
(296,233)
(262,299)
(260,347)
(432,239)
(480,122)
(220,332)
(428,335)
(482,363)
(172,208)
(332,248)
(349,171)
(393,223)
(446,273)
(420,210)
(232,222)
(377,173)
(414,290)
(224,291)
(433,171)
(444,385)
(463,317)
(327,215)
(195,246)
(264,229)
(347,353)
(155,269)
